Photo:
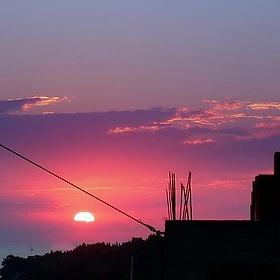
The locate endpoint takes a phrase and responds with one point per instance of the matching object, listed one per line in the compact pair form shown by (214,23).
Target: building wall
(265,195)
(199,249)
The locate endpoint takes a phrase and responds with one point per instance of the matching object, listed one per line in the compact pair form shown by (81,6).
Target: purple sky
(108,55)
(113,95)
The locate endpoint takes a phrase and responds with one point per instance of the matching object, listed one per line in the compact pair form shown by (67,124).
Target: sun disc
(84,217)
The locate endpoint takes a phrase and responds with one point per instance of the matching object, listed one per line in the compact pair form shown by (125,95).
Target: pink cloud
(38,101)
(227,104)
(199,141)
(133,129)
(25,104)
(262,132)
(226,120)
(264,106)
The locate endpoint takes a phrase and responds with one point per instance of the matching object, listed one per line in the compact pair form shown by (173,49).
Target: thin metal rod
(181,201)
(190,195)
(168,204)
(173,196)
(131,268)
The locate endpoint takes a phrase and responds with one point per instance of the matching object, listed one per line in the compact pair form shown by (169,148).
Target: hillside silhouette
(99,261)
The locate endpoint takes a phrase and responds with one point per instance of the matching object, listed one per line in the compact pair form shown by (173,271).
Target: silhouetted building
(266,194)
(249,249)
(209,250)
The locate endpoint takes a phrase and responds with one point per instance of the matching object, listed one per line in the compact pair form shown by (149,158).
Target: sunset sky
(112,95)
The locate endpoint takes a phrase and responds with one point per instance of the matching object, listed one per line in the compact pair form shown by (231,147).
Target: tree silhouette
(98,261)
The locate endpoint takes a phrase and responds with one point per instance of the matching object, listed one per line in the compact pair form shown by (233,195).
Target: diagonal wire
(151,228)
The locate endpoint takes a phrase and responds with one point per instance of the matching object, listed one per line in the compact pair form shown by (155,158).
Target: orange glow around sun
(84,217)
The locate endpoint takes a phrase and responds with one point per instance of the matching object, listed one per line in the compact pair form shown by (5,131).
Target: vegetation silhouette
(99,261)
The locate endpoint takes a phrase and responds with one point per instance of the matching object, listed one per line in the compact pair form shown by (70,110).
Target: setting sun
(84,217)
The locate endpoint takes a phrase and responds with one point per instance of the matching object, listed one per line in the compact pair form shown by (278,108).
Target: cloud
(215,122)
(218,121)
(199,141)
(24,104)
(228,104)
(264,106)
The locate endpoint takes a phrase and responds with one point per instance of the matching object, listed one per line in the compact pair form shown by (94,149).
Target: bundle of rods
(185,207)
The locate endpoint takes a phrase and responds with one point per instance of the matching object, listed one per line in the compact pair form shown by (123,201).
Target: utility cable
(151,228)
